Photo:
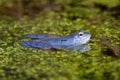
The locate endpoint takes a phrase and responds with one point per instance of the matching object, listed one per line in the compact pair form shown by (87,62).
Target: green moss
(21,63)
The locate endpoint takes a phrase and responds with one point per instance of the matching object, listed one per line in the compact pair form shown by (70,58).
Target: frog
(75,41)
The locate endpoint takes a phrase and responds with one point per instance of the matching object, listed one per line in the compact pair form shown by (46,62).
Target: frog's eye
(80,34)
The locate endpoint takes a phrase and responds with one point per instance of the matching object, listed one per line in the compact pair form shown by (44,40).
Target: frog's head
(81,37)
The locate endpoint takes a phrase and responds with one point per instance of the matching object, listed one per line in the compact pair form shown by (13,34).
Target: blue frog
(75,41)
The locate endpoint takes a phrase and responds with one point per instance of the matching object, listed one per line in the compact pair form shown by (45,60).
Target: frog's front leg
(82,48)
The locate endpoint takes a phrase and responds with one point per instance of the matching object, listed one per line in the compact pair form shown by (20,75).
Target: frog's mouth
(86,39)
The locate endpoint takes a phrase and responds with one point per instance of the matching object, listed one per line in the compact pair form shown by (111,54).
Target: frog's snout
(86,38)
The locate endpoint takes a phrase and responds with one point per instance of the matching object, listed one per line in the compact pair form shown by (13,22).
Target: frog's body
(76,41)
